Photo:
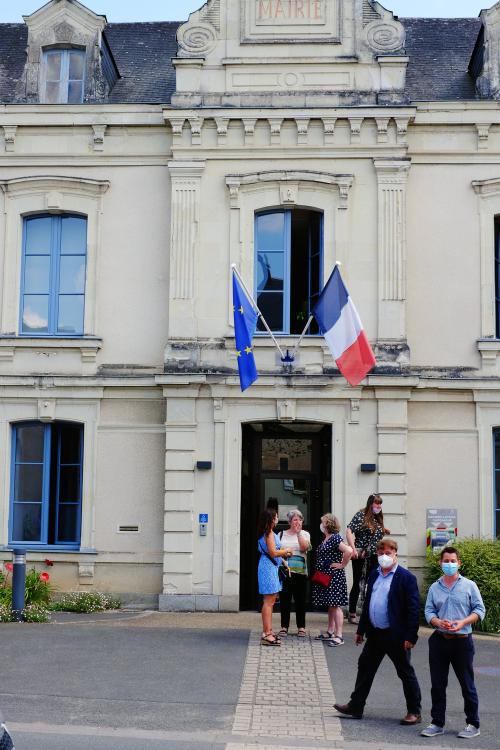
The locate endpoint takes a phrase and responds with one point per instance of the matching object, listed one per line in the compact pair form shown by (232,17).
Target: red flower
(8,566)
(44,577)
(48,563)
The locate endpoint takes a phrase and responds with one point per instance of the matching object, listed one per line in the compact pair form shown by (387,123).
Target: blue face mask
(449,568)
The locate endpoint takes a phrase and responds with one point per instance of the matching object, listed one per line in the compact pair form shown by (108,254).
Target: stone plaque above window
(271,21)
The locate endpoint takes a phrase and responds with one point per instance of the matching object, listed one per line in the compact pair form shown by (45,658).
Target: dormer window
(63,76)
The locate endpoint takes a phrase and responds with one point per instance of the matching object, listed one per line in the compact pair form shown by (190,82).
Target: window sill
(88,345)
(489,349)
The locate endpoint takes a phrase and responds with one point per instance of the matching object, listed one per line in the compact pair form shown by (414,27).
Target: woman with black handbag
(329,590)
(270,566)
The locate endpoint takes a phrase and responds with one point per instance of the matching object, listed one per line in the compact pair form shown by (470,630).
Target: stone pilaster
(392,178)
(392,436)
(186,181)
(180,456)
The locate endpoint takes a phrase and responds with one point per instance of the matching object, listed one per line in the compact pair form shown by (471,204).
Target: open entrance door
(288,466)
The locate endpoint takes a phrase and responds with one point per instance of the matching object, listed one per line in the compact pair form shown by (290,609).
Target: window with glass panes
(496,458)
(53,276)
(64,76)
(46,484)
(288,270)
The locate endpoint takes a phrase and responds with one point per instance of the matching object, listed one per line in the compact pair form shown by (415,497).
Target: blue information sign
(203,518)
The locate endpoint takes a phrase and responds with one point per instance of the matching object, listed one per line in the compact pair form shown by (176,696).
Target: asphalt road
(386,704)
(181,685)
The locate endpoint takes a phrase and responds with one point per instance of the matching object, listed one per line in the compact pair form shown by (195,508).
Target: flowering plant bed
(85,601)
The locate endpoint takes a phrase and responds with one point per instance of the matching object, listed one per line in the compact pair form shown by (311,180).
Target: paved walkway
(286,694)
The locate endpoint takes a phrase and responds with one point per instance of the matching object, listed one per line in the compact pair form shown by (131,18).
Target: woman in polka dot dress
(332,556)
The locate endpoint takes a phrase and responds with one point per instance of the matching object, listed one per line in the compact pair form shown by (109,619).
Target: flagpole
(251,299)
(302,334)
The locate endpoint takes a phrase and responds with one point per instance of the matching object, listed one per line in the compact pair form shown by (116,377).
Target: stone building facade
(139,162)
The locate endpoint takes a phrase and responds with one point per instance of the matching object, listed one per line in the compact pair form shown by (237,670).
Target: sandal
(283,633)
(353,619)
(325,636)
(337,640)
(269,639)
(301,633)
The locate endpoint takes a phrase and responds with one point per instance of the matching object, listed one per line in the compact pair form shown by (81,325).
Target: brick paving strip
(286,696)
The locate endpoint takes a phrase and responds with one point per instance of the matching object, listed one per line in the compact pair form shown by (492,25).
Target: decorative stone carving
(392,177)
(302,130)
(98,138)
(483,135)
(222,124)
(46,410)
(64,32)
(289,193)
(382,132)
(369,13)
(9,134)
(329,130)
(286,410)
(186,179)
(198,36)
(275,124)
(249,125)
(488,79)
(196,124)
(385,36)
(355,125)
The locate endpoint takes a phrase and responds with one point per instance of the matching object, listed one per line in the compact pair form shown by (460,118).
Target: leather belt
(452,636)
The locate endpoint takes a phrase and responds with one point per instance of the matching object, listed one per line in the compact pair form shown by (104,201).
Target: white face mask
(385,561)
(322,529)
(376,509)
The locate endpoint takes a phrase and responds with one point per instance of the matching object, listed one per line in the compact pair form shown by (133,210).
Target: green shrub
(481,563)
(38,588)
(85,601)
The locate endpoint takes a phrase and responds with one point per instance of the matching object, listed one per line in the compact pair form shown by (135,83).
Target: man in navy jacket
(390,622)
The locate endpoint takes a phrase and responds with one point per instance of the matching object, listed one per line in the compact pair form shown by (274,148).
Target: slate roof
(439,49)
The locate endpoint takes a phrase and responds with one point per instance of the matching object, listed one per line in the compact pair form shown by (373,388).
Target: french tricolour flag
(339,322)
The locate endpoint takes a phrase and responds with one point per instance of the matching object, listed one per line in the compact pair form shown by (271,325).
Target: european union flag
(245,323)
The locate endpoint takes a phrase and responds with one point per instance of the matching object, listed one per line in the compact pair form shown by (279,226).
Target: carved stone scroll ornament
(196,39)
(385,36)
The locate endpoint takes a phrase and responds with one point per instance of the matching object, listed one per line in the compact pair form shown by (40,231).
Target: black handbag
(5,739)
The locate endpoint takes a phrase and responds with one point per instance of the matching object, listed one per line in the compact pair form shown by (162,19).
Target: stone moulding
(199,35)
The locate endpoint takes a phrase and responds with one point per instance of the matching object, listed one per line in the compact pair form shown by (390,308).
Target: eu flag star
(248,350)
(241,310)
(238,354)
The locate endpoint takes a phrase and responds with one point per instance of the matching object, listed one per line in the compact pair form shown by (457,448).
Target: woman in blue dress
(271,557)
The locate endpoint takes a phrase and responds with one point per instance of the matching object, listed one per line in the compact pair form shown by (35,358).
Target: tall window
(497,275)
(288,267)
(46,484)
(53,276)
(63,76)
(496,459)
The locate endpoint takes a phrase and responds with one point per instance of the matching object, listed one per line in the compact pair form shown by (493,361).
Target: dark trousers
(357,569)
(294,586)
(459,652)
(379,644)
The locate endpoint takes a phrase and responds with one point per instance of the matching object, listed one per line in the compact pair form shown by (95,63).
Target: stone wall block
(178,542)
(179,521)
(173,562)
(182,481)
(178,501)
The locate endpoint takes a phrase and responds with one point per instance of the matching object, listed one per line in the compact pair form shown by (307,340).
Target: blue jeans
(459,652)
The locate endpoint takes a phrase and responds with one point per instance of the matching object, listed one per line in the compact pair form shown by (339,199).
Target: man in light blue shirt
(453,605)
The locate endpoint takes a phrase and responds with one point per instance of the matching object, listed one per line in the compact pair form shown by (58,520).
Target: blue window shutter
(53,276)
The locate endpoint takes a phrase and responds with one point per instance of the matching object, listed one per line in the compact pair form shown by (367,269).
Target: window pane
(75,92)
(53,66)
(35,314)
(27,522)
(70,314)
(270,271)
(73,235)
(270,231)
(271,306)
(68,523)
(29,443)
(76,65)
(69,484)
(28,482)
(38,234)
(70,444)
(37,274)
(282,454)
(72,274)
(52,93)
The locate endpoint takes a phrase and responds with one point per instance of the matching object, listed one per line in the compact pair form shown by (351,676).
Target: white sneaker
(469,731)
(432,731)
